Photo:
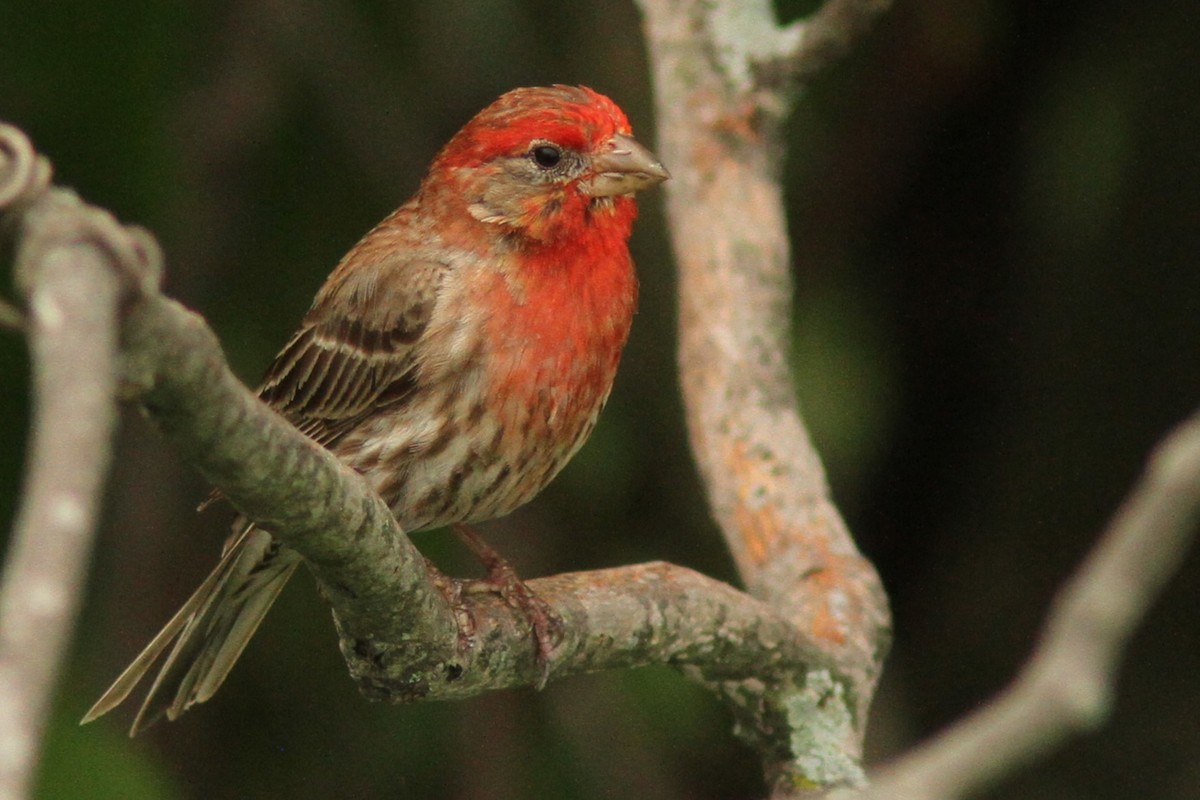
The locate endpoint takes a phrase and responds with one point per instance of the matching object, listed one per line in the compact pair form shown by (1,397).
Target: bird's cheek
(541,214)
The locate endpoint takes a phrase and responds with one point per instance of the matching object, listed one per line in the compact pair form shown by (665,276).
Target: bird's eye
(546,156)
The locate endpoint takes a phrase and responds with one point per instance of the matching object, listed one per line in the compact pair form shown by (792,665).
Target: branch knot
(24,175)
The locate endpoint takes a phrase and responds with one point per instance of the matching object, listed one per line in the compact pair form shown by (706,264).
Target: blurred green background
(995,208)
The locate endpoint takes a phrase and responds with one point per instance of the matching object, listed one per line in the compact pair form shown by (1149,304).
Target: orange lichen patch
(824,624)
(831,593)
(721,131)
(707,154)
(744,122)
(839,582)
(757,520)
(758,529)
(826,627)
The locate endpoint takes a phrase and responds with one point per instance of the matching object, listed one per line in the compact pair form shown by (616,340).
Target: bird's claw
(453,589)
(545,623)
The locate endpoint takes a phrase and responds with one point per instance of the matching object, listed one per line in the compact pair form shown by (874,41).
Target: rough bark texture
(723,82)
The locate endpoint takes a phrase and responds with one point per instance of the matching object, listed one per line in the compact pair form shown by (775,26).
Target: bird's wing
(357,349)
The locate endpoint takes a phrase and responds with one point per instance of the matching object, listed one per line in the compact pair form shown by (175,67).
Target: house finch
(457,357)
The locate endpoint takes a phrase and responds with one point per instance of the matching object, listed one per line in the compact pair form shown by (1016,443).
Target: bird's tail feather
(209,631)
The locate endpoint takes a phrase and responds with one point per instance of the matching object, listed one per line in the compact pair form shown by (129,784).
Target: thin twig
(1066,687)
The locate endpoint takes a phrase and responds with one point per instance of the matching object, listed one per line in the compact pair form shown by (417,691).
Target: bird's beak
(623,167)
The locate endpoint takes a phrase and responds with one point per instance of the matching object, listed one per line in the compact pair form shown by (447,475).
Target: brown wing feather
(355,350)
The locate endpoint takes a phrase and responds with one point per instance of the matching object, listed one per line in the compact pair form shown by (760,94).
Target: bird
(457,356)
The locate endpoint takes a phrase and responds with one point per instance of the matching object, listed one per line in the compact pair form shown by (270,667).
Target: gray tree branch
(724,77)
(1066,687)
(72,291)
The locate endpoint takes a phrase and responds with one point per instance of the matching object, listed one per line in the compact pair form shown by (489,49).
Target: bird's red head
(548,162)
(574,117)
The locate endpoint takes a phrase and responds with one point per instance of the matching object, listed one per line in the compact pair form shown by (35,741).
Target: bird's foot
(452,590)
(545,623)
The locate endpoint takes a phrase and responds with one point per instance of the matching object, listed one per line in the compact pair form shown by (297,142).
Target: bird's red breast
(510,275)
